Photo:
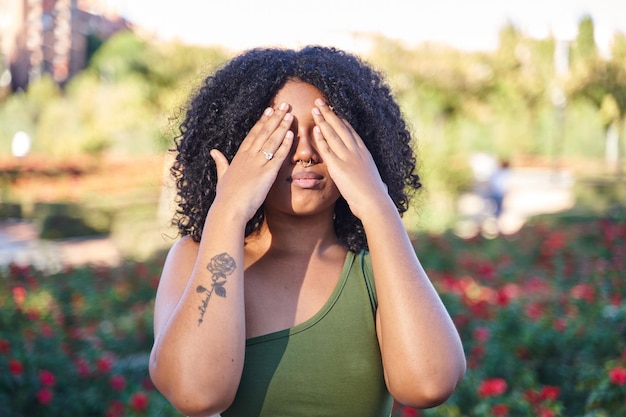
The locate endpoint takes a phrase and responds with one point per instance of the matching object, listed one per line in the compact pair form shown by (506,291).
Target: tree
(603,82)
(584,47)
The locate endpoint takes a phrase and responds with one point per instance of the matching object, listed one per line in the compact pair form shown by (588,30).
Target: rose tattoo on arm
(220,267)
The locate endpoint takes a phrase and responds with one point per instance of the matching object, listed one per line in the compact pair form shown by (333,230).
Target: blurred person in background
(295,289)
(497,187)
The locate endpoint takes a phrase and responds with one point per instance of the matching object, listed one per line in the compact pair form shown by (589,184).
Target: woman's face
(301,189)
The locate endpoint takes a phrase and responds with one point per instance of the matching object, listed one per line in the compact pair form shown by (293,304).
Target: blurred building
(52,36)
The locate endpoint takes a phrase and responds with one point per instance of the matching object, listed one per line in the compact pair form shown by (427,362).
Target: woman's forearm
(198,353)
(422,353)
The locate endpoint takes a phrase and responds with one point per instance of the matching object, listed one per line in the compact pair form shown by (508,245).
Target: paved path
(19,244)
(529,192)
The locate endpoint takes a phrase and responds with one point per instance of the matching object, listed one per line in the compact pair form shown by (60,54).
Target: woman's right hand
(244,183)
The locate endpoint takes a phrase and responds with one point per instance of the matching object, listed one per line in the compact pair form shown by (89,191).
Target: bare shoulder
(179,263)
(183,247)
(174,277)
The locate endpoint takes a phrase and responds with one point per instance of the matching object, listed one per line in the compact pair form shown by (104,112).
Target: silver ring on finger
(268,155)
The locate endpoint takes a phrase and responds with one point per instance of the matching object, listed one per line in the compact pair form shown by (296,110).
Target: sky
(464,24)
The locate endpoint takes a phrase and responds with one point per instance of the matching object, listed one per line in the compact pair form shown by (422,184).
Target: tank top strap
(365,264)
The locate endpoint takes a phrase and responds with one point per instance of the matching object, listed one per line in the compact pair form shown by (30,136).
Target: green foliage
(584,48)
(123,55)
(122,103)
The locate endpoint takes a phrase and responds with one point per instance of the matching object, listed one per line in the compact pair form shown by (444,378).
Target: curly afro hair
(230,101)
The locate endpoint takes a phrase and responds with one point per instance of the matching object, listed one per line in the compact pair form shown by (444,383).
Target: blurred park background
(97,100)
(89,104)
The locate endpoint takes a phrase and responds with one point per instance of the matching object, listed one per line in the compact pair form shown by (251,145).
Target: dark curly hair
(230,101)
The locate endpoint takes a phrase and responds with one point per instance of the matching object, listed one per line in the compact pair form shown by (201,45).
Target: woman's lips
(306,179)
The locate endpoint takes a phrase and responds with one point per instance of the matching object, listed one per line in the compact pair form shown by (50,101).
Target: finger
(267,114)
(330,116)
(322,145)
(220,161)
(357,138)
(270,121)
(284,148)
(332,135)
(272,142)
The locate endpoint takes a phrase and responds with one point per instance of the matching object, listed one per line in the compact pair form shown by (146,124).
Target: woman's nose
(305,152)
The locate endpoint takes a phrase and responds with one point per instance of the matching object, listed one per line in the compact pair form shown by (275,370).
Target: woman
(295,289)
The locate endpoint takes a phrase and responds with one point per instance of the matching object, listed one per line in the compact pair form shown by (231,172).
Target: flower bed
(541,315)
(76,343)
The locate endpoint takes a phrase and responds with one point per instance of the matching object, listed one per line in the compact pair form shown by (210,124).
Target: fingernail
(288,116)
(317,129)
(268,111)
(283,106)
(316,111)
(320,102)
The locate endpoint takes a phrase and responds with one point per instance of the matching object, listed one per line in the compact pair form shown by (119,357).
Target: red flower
(506,294)
(583,292)
(534,311)
(545,412)
(116,409)
(141,270)
(19,295)
(5,346)
(33,315)
(410,412)
(139,401)
(481,334)
(16,367)
(532,396)
(500,410)
(44,396)
(560,324)
(147,384)
(480,309)
(104,364)
(118,382)
(616,300)
(617,375)
(476,356)
(553,243)
(461,320)
(83,367)
(486,269)
(47,378)
(550,393)
(46,330)
(492,387)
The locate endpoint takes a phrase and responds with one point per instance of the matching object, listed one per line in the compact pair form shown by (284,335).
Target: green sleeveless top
(328,366)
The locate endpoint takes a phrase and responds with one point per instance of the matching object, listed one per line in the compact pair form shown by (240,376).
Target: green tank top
(328,366)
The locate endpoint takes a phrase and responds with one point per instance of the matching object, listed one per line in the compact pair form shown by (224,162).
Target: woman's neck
(288,235)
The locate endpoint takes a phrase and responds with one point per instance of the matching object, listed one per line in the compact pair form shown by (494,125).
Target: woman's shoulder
(183,248)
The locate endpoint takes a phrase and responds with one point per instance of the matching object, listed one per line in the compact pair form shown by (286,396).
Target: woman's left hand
(349,162)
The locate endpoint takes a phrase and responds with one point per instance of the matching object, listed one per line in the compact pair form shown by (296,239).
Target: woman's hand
(349,162)
(245,182)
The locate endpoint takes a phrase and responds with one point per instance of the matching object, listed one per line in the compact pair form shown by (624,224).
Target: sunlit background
(519,102)
(90,83)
